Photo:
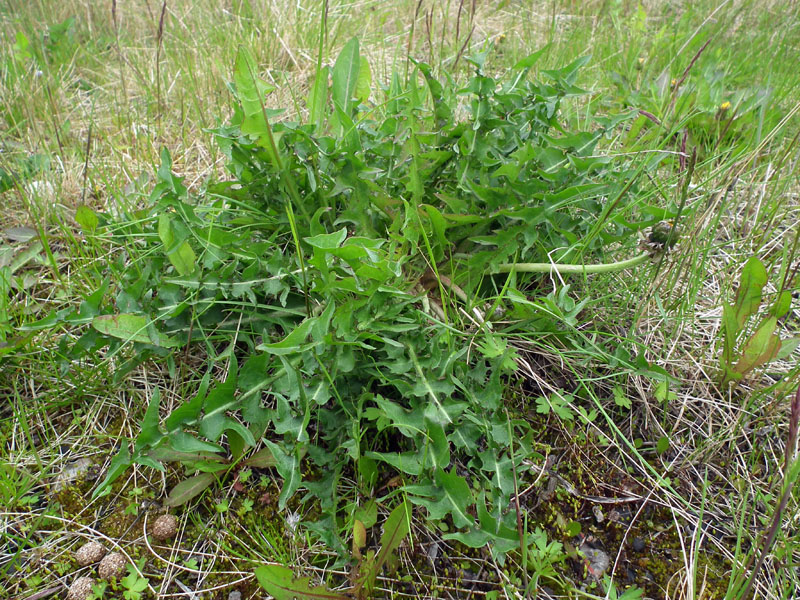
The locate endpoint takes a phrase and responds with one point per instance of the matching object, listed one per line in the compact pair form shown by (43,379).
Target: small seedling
(749,341)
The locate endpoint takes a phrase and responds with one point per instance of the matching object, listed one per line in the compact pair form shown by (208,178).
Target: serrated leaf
(131,328)
(327,241)
(451,495)
(280,582)
(188,489)
(251,92)
(288,467)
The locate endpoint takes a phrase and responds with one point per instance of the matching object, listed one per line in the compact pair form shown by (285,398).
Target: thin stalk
(574,269)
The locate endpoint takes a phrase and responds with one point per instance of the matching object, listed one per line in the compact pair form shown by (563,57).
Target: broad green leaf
(782,305)
(748,296)
(405,462)
(251,92)
(367,514)
(451,495)
(254,372)
(180,441)
(131,328)
(183,259)
(364,82)
(327,241)
(502,472)
(787,347)
(86,218)
(188,489)
(263,459)
(762,347)
(345,76)
(280,583)
(293,341)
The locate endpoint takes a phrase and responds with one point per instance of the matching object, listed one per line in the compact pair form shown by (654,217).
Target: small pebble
(597,561)
(638,544)
(235,595)
(71,473)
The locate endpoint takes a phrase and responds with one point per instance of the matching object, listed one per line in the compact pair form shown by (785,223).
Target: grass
(622,399)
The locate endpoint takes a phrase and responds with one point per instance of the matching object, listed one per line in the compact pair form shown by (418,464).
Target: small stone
(165,527)
(112,565)
(71,473)
(80,589)
(90,553)
(638,544)
(597,561)
(235,595)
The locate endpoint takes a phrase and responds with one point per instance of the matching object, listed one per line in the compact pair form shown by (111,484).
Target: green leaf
(748,296)
(263,459)
(761,348)
(318,99)
(180,441)
(149,433)
(530,60)
(327,241)
(621,399)
(782,305)
(662,445)
(86,218)
(451,495)
(293,341)
(188,489)
(288,467)
(131,328)
(395,530)
(787,347)
(187,412)
(345,76)
(251,92)
(180,253)
(280,582)
(364,82)
(118,465)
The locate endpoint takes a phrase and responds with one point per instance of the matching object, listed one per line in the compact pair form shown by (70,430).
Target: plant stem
(573,269)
